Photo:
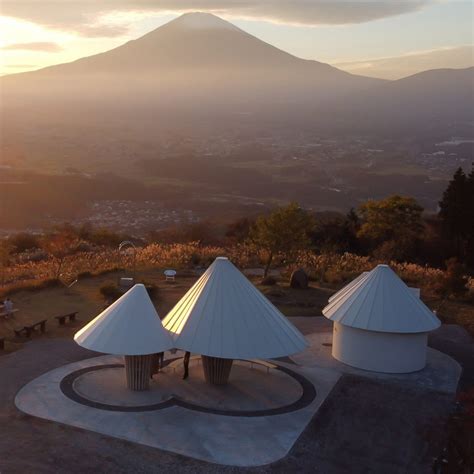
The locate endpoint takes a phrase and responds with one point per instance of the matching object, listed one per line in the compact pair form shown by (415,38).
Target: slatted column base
(138,369)
(216,370)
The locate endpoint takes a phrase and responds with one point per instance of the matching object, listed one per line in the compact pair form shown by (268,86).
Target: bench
(2,343)
(62,319)
(264,363)
(125,283)
(27,330)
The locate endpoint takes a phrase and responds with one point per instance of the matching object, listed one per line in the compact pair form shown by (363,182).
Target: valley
(214,122)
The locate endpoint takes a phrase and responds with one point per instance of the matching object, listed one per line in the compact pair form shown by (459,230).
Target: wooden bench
(2,343)
(264,363)
(27,330)
(62,319)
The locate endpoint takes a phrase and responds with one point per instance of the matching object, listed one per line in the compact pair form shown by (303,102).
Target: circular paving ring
(306,398)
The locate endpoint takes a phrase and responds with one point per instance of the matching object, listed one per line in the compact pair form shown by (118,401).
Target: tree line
(394,228)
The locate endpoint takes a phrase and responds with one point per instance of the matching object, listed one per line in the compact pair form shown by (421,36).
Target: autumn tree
(336,232)
(24,241)
(455,280)
(285,230)
(238,230)
(6,249)
(470,205)
(391,226)
(59,246)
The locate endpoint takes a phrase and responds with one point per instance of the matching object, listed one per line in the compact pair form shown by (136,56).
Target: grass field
(83,297)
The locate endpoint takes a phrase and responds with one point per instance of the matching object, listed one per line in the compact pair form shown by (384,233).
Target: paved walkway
(251,387)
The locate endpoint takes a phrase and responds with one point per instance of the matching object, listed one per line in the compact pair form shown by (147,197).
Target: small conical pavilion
(130,327)
(224,317)
(380,324)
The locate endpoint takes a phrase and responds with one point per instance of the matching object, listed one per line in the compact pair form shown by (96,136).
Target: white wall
(379,351)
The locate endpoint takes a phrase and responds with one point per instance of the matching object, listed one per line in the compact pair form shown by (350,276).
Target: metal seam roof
(380,301)
(224,315)
(130,326)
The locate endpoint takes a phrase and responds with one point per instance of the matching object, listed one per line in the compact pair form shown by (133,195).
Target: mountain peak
(203,20)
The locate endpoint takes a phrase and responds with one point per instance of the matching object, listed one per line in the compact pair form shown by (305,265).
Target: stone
(299,279)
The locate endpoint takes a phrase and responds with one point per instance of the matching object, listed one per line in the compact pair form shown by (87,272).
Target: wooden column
(138,370)
(216,370)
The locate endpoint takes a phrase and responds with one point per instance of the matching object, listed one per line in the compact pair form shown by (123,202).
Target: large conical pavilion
(130,327)
(223,316)
(380,324)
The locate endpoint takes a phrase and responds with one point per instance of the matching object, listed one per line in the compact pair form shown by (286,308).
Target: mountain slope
(201,74)
(198,56)
(429,101)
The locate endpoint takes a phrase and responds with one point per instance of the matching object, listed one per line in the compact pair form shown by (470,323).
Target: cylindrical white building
(380,324)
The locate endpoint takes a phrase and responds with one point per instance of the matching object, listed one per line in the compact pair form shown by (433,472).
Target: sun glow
(17,32)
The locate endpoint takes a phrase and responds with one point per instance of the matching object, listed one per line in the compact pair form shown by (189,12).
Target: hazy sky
(386,38)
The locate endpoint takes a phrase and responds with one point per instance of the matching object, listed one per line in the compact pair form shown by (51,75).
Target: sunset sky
(388,39)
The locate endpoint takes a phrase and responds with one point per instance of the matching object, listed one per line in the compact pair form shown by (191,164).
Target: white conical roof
(380,301)
(130,326)
(224,315)
(347,287)
(342,291)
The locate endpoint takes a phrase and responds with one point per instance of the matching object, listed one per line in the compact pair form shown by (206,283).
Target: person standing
(8,307)
(161,360)
(186,358)
(157,362)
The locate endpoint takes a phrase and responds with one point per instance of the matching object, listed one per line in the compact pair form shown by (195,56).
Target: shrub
(110,291)
(151,289)
(24,241)
(29,286)
(105,237)
(275,292)
(195,259)
(268,281)
(328,267)
(85,274)
(455,279)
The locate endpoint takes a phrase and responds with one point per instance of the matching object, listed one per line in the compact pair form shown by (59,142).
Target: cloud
(20,66)
(411,63)
(40,46)
(89,17)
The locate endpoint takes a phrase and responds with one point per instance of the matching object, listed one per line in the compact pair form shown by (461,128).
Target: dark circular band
(306,398)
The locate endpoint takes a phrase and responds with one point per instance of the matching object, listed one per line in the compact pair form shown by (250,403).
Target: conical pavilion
(380,324)
(130,327)
(381,301)
(224,316)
